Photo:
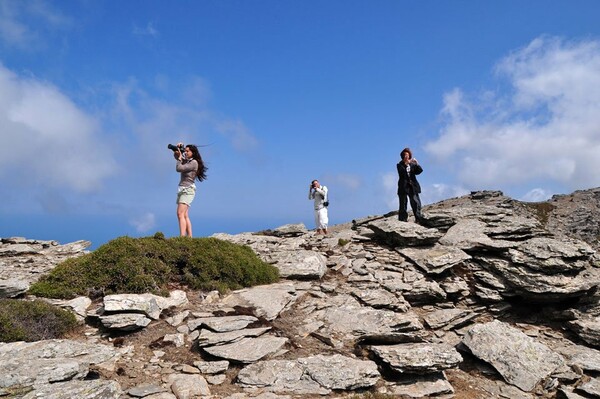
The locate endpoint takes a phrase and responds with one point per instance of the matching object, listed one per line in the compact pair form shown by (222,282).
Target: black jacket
(405,183)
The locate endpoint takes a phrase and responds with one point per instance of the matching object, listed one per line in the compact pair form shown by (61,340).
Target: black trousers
(415,204)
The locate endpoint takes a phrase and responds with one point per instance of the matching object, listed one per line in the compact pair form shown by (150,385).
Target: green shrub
(151,264)
(342,242)
(33,321)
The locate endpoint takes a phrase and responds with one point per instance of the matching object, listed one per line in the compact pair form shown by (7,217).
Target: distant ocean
(101,229)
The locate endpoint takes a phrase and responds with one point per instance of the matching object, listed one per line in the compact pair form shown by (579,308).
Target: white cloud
(546,127)
(148,30)
(348,181)
(437,192)
(429,193)
(23,24)
(238,134)
(389,183)
(143,223)
(536,195)
(153,120)
(47,141)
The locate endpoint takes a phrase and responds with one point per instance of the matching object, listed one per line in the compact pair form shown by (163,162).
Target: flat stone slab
(89,389)
(140,303)
(209,338)
(588,329)
(248,350)
(402,234)
(550,255)
(469,234)
(188,385)
(519,359)
(418,358)
(542,287)
(582,356)
(422,386)
(125,321)
(37,363)
(223,323)
(437,259)
(443,317)
(266,300)
(314,375)
(302,264)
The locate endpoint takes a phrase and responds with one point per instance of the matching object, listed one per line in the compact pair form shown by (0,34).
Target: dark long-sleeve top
(406,180)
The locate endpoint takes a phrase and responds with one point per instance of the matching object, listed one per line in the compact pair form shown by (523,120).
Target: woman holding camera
(318,193)
(191,167)
(408,186)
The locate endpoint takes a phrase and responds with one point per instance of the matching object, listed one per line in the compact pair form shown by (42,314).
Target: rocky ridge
(491,298)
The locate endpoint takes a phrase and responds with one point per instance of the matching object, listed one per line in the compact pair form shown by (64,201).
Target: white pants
(321,219)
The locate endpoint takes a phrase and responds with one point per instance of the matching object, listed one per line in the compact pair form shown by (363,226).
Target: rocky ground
(492,298)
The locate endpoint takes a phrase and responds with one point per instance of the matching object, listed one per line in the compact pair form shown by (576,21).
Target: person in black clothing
(408,186)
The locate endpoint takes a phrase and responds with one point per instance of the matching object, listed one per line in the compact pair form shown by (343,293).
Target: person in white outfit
(318,193)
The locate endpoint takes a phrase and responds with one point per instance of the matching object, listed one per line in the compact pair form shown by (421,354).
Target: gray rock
(141,391)
(177,339)
(301,264)
(290,230)
(469,235)
(422,386)
(380,298)
(345,316)
(437,259)
(125,321)
(425,291)
(212,367)
(591,387)
(550,255)
(223,323)
(418,358)
(188,386)
(588,329)
(314,375)
(401,234)
(267,301)
(12,287)
(569,394)
(209,338)
(341,372)
(443,317)
(78,305)
(520,360)
(541,287)
(581,356)
(91,389)
(175,299)
(162,395)
(17,250)
(139,303)
(23,261)
(36,363)
(248,350)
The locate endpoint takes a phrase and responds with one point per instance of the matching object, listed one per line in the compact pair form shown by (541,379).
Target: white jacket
(319,195)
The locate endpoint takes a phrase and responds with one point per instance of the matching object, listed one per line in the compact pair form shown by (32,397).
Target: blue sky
(499,95)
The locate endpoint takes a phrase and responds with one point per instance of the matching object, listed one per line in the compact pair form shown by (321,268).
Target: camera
(176,148)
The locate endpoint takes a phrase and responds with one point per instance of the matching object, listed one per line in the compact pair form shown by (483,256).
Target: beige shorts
(186,195)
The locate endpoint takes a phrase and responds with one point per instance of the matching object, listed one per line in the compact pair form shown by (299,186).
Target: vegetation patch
(342,242)
(154,264)
(542,211)
(33,321)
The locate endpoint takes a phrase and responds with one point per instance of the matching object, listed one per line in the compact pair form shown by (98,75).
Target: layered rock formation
(491,298)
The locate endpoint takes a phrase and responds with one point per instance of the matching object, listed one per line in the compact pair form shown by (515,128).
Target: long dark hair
(201,172)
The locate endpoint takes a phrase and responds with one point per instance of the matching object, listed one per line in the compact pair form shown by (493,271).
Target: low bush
(152,264)
(33,320)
